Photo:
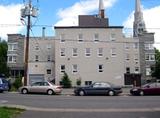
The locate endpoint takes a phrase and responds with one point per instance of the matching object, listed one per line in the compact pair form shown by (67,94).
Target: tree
(3,58)
(156,70)
(66,82)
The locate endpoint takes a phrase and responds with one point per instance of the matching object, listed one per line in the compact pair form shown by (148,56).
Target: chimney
(43,32)
(101,9)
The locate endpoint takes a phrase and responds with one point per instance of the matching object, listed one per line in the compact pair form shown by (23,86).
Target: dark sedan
(147,89)
(98,88)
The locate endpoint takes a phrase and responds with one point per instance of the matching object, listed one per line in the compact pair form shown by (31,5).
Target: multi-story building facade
(146,42)
(16,55)
(92,51)
(41,59)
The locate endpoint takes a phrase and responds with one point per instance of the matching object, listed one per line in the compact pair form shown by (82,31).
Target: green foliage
(66,82)
(6,112)
(156,70)
(17,83)
(78,82)
(3,58)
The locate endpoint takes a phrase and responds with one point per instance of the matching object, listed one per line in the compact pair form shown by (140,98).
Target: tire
(111,93)
(81,93)
(24,91)
(141,93)
(50,92)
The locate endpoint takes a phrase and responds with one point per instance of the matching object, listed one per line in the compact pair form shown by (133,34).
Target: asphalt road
(66,106)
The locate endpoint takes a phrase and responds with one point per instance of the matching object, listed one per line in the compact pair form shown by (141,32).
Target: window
(80,37)
(148,71)
(136,70)
(12,59)
(88,52)
(36,58)
(127,57)
(100,68)
(136,57)
(100,52)
(62,69)
(150,57)
(37,47)
(127,46)
(49,46)
(113,52)
(62,38)
(75,52)
(96,37)
(62,52)
(128,70)
(149,46)
(48,71)
(88,83)
(74,68)
(12,46)
(113,37)
(48,58)
(135,45)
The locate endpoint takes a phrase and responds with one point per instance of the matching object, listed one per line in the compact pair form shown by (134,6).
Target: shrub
(66,82)
(17,83)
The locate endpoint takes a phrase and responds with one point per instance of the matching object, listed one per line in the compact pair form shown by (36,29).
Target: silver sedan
(41,87)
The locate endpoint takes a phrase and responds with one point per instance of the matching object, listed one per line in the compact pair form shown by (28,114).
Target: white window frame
(135,45)
(62,70)
(112,36)
(96,37)
(49,46)
(49,58)
(127,57)
(75,52)
(100,68)
(100,52)
(88,52)
(74,68)
(136,70)
(62,38)
(136,57)
(49,70)
(150,57)
(148,71)
(36,58)
(113,52)
(149,46)
(13,58)
(127,46)
(62,52)
(12,46)
(80,37)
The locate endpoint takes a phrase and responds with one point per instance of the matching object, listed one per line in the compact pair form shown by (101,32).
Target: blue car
(4,84)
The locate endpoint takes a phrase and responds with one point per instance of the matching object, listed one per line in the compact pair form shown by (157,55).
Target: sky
(65,13)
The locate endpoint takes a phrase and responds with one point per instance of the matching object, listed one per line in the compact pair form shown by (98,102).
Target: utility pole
(28,11)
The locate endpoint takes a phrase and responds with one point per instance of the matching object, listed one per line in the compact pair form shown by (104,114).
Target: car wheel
(81,93)
(111,93)
(141,93)
(24,91)
(50,92)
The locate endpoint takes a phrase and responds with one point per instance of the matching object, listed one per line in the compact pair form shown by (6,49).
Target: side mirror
(147,86)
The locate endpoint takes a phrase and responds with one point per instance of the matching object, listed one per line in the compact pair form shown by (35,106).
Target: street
(67,106)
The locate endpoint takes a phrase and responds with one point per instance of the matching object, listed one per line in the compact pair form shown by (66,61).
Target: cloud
(10,15)
(151,18)
(69,16)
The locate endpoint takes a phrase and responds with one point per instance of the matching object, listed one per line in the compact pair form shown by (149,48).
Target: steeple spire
(139,24)
(101,9)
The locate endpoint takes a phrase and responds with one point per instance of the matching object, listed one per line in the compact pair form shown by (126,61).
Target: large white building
(92,51)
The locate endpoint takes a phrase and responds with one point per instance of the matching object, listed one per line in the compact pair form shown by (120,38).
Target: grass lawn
(6,112)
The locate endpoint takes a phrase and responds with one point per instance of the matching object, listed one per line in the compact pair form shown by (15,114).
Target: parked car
(41,87)
(147,89)
(4,84)
(98,88)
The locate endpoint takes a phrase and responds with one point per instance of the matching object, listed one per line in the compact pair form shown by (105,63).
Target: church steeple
(139,24)
(101,9)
